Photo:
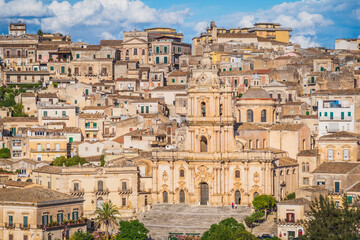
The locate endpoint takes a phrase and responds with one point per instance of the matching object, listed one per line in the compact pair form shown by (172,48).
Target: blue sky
(314,22)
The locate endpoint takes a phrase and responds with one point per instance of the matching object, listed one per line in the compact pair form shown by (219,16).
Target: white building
(335,116)
(347,44)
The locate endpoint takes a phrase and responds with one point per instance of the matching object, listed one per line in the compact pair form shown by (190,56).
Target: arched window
(237,174)
(250,115)
(127,52)
(256,194)
(100,186)
(294,171)
(263,115)
(182,173)
(303,167)
(221,109)
(203,144)
(99,202)
(165,197)
(203,109)
(307,167)
(281,173)
(143,52)
(287,172)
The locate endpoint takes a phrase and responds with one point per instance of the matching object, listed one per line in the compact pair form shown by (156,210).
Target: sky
(314,22)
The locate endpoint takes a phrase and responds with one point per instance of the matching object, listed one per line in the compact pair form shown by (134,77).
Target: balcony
(68,224)
(88,128)
(124,191)
(333,192)
(47,150)
(25,227)
(335,119)
(77,192)
(103,191)
(63,117)
(9,226)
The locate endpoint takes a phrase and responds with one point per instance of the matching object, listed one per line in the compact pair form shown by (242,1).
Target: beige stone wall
(338,148)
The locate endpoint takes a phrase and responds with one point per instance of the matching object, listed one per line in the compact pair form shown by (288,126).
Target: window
(165,59)
(237,174)
(182,173)
(135,51)
(346,154)
(342,115)
(325,114)
(94,56)
(290,217)
(63,113)
(76,187)
(246,82)
(77,55)
(75,215)
(123,201)
(108,56)
(100,186)
(40,56)
(320,183)
(337,187)
(203,144)
(60,217)
(250,143)
(11,221)
(157,60)
(165,49)
(143,52)
(307,165)
(48,146)
(203,109)
(165,197)
(330,154)
(331,115)
(147,109)
(305,181)
(62,69)
(263,115)
(124,186)
(45,220)
(250,115)
(173,80)
(303,167)
(39,146)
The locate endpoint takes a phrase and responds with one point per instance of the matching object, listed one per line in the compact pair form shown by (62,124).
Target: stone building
(209,166)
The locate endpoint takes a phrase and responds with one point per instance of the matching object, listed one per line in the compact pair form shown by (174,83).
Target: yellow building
(271,31)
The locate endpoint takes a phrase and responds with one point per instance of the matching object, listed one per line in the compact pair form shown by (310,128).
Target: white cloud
(22,8)
(107,36)
(357,13)
(305,42)
(247,21)
(201,27)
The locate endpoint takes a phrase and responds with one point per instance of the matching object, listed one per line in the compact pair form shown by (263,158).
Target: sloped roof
(341,134)
(286,127)
(296,201)
(336,167)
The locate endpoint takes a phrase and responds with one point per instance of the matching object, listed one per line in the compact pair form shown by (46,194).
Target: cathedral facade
(210,165)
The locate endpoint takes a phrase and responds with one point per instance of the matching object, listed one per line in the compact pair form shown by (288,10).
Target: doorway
(204,193)
(237,197)
(182,196)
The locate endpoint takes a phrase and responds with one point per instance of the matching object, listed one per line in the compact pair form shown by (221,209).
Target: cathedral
(210,165)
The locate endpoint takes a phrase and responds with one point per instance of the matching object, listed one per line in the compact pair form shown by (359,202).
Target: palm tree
(108,215)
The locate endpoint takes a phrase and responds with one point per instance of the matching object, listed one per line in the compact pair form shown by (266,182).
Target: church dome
(256,92)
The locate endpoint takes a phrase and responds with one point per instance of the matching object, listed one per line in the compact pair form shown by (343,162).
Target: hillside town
(155,126)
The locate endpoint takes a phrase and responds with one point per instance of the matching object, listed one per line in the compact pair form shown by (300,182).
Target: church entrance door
(182,196)
(237,197)
(204,193)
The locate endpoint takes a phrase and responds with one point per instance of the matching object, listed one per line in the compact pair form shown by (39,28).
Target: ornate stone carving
(256,177)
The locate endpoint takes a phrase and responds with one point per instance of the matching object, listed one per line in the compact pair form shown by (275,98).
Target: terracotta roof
(46,95)
(111,42)
(20,119)
(286,127)
(96,107)
(342,134)
(237,35)
(170,88)
(338,92)
(119,140)
(32,195)
(301,116)
(90,115)
(336,167)
(178,74)
(296,201)
(48,169)
(354,188)
(294,103)
(313,152)
(287,162)
(19,184)
(27,95)
(249,126)
(72,130)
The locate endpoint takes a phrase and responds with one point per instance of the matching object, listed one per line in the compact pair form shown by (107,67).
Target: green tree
(256,216)
(107,215)
(60,161)
(82,236)
(290,196)
(55,84)
(40,32)
(227,229)
(102,161)
(326,221)
(244,235)
(264,202)
(5,153)
(132,230)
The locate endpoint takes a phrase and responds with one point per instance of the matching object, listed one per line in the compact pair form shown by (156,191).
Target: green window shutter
(349,114)
(45,113)
(71,139)
(307,113)
(25,221)
(320,114)
(11,220)
(325,114)
(142,109)
(331,115)
(51,68)
(322,69)
(230,69)
(77,55)
(147,109)
(165,49)
(51,218)
(94,124)
(75,101)
(157,50)
(165,59)
(342,115)
(224,69)
(73,215)
(157,59)
(173,80)
(108,56)
(62,69)
(64,113)
(240,69)
(246,82)
(68,216)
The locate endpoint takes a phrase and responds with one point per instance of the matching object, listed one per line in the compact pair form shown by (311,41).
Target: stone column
(172,186)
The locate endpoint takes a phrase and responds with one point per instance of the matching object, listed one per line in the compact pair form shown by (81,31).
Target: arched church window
(100,186)
(203,109)
(203,144)
(263,115)
(182,173)
(127,52)
(221,109)
(307,167)
(303,167)
(237,174)
(250,115)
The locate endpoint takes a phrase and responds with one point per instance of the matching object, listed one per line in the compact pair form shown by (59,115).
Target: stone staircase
(163,219)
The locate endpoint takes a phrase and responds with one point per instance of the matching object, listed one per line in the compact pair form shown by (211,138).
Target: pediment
(134,41)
